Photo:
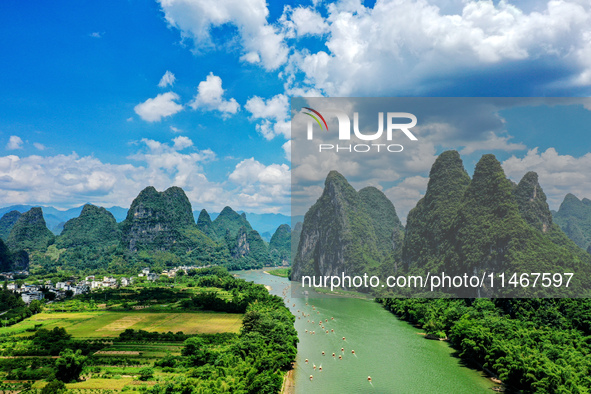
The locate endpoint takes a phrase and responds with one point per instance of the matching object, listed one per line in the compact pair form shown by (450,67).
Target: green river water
(392,352)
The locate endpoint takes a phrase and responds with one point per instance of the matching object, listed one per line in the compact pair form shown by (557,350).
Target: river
(392,352)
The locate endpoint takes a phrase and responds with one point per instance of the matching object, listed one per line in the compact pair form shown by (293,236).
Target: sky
(100,99)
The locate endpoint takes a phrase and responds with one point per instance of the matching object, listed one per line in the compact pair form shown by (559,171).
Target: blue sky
(100,99)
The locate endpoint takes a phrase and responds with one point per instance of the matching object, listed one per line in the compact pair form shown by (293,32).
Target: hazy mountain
(574,218)
(261,222)
(280,246)
(55,218)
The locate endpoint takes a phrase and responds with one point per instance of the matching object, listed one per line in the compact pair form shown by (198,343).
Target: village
(67,289)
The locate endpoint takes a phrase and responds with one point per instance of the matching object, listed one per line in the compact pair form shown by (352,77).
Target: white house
(30,296)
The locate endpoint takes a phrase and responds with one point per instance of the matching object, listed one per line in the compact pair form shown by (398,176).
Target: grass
(108,324)
(151,350)
(281,272)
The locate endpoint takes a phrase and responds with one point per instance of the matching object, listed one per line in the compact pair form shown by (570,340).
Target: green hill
(229,221)
(574,218)
(7,222)
(280,245)
(163,222)
(30,232)
(94,227)
(344,232)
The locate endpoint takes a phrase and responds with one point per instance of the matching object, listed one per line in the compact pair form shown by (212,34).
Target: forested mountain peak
(428,223)
(170,205)
(94,227)
(229,221)
(205,225)
(387,226)
(161,221)
(339,232)
(280,245)
(7,222)
(30,232)
(532,204)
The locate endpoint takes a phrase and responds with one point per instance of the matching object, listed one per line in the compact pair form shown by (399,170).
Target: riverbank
(288,386)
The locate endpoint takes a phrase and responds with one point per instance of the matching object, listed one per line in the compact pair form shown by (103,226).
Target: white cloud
(175,129)
(250,171)
(262,185)
(303,21)
(411,46)
(39,146)
(287,149)
(406,194)
(210,96)
(274,114)
(181,143)
(96,34)
(492,142)
(14,142)
(167,79)
(70,180)
(161,106)
(557,174)
(260,41)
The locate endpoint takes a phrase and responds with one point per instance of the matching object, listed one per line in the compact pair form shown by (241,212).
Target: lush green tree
(54,387)
(36,306)
(69,365)
(51,341)
(146,373)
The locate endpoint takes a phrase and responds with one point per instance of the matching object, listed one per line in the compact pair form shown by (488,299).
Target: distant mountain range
(263,222)
(159,230)
(574,218)
(55,218)
(266,223)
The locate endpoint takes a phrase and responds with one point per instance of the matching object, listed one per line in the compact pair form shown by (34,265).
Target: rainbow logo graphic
(315,118)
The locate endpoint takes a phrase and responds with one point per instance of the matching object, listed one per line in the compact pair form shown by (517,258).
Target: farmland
(108,324)
(208,333)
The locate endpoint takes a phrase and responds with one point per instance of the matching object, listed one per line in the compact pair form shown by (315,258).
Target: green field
(281,272)
(143,350)
(108,324)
